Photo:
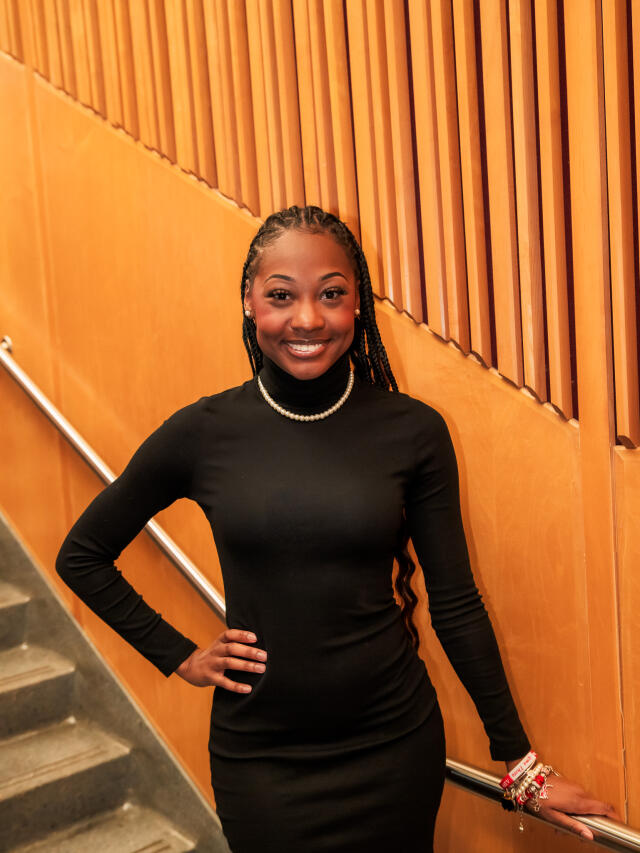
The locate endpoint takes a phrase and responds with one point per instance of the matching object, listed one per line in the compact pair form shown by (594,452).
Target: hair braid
(369,356)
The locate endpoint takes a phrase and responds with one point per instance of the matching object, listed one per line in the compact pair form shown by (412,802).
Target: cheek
(269,321)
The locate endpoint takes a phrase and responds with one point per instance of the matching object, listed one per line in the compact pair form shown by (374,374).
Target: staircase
(81,770)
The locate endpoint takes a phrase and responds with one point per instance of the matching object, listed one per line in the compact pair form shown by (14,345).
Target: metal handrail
(160,536)
(607,833)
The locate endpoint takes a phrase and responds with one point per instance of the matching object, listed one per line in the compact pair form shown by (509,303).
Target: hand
(564,798)
(205,667)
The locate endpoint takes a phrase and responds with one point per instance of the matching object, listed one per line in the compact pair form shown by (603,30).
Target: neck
(306,396)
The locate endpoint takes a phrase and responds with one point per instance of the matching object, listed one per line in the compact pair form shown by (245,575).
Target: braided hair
(367,352)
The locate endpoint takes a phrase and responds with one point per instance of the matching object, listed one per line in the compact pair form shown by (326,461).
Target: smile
(306,349)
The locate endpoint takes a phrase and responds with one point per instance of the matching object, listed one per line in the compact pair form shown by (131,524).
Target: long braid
(369,356)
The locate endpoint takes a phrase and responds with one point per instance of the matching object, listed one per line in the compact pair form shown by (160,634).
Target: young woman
(326,733)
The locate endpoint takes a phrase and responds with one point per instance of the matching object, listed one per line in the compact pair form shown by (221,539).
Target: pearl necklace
(294,417)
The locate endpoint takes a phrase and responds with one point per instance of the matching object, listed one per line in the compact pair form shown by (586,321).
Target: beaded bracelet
(526,783)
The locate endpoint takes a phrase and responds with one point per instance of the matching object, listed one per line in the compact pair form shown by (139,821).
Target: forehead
(304,250)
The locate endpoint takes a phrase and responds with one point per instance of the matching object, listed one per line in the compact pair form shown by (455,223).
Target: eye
(278,295)
(333,293)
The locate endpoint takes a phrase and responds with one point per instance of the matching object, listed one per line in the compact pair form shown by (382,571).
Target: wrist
(185,666)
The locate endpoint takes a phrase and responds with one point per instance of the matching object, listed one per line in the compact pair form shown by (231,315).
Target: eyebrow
(289,278)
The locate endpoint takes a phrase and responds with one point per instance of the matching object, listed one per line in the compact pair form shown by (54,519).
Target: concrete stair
(130,829)
(80,769)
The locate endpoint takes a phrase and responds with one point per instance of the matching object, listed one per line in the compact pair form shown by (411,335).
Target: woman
(326,732)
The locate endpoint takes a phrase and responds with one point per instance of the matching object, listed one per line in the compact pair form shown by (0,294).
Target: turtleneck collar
(306,396)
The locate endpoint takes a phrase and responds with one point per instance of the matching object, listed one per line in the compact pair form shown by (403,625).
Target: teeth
(305,347)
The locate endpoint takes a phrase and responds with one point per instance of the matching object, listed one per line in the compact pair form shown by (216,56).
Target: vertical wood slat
(306,90)
(364,140)
(94,54)
(402,145)
(5,43)
(583,47)
(143,73)
(241,79)
(25,28)
(527,201)
(259,108)
(317,60)
(471,174)
(38,20)
(390,285)
(162,78)
(124,47)
(228,98)
(552,201)
(429,169)
(110,64)
(53,42)
(79,50)
(451,188)
(504,248)
(288,99)
(222,106)
(16,36)
(66,47)
(621,245)
(197,56)
(272,104)
(340,97)
(181,90)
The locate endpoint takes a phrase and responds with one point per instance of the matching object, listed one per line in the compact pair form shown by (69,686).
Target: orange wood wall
(138,146)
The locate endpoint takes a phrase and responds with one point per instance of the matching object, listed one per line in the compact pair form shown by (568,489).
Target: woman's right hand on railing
(206,667)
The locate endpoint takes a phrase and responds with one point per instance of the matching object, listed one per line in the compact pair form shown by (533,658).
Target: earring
(247,313)
(357,312)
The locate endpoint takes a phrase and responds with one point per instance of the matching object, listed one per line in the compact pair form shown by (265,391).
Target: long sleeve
(458,614)
(159,473)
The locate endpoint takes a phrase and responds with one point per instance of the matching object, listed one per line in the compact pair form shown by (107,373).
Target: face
(303,300)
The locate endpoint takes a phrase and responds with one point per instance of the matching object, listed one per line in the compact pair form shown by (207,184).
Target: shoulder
(418,417)
(192,415)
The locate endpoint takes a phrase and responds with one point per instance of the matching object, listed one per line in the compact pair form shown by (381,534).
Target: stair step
(35,688)
(13,608)
(130,829)
(56,776)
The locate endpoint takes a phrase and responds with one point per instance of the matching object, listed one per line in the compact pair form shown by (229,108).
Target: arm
(458,614)
(159,473)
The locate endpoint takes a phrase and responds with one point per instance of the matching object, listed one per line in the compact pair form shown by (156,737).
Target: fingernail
(246,688)
(259,667)
(261,655)
(251,637)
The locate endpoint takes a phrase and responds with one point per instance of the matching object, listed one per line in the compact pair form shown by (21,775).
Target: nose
(307,316)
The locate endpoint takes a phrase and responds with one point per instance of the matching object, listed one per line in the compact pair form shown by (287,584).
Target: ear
(248,299)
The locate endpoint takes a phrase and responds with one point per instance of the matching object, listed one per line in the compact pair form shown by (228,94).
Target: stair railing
(608,833)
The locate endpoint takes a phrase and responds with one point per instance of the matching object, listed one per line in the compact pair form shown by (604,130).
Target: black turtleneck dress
(340,745)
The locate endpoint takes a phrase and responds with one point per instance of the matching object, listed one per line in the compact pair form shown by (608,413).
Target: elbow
(63,563)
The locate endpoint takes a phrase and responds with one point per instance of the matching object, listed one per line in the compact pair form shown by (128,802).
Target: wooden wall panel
(627,478)
(583,33)
(423,134)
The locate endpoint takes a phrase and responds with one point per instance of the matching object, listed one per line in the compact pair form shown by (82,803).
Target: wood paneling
(485,156)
